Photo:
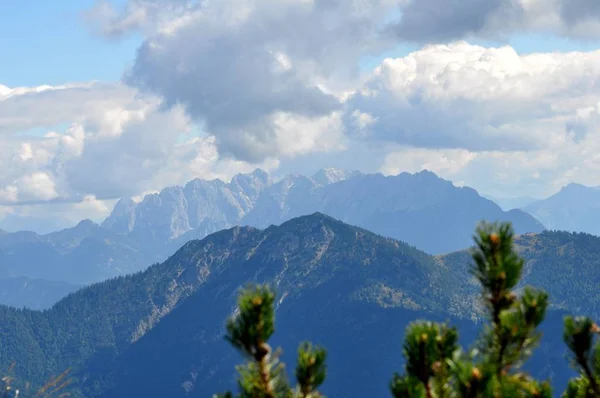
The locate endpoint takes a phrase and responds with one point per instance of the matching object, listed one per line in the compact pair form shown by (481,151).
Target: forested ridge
(110,333)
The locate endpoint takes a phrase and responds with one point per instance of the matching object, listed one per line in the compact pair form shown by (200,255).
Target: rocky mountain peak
(258,176)
(330,175)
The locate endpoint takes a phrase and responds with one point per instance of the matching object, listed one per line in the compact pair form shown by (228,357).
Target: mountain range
(421,209)
(411,207)
(83,254)
(159,332)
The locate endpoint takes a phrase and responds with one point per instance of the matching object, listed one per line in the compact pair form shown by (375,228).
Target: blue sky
(47,42)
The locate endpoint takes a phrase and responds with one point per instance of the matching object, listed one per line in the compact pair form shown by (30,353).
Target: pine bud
(476,373)
(257,301)
(494,238)
(423,337)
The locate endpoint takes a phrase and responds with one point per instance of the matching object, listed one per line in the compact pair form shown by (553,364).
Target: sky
(107,99)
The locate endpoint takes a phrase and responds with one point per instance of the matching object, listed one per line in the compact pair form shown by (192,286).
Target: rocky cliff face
(176,210)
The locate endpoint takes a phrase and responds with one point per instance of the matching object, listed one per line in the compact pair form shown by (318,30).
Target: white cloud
(116,143)
(536,173)
(476,98)
(9,194)
(38,186)
(445,163)
(24,108)
(487,117)
(91,205)
(238,66)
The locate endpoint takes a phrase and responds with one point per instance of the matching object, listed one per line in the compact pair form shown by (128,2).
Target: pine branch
(310,370)
(579,335)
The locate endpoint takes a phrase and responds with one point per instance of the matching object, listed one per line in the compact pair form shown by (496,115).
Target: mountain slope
(186,355)
(159,332)
(574,208)
(91,327)
(565,264)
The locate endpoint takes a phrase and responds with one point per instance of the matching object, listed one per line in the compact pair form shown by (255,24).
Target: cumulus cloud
(476,98)
(32,188)
(219,87)
(114,142)
(34,165)
(239,67)
(485,117)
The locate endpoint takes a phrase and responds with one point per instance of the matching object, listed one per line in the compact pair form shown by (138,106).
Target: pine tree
(263,375)
(435,365)
(580,335)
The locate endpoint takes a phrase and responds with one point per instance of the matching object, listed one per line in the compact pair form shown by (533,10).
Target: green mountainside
(160,332)
(567,265)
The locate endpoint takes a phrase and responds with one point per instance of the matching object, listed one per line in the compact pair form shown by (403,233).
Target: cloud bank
(218,87)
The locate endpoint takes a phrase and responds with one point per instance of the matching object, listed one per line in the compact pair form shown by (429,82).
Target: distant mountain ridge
(42,225)
(35,294)
(409,207)
(420,209)
(80,255)
(159,332)
(575,207)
